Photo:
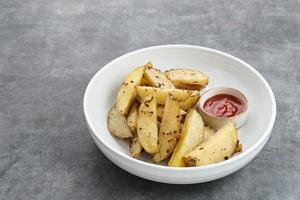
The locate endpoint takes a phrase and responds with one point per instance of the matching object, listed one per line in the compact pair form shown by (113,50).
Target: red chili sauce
(224,105)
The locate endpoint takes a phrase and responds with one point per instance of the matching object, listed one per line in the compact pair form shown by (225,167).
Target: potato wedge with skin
(156,78)
(132,117)
(162,93)
(207,132)
(169,130)
(189,86)
(127,93)
(160,111)
(187,98)
(135,146)
(221,146)
(191,136)
(187,76)
(117,124)
(147,130)
(191,101)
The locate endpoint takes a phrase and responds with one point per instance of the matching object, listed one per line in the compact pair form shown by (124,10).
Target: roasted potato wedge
(187,98)
(156,78)
(117,124)
(169,130)
(160,111)
(207,132)
(191,101)
(132,117)
(187,76)
(220,146)
(191,136)
(162,93)
(127,92)
(135,146)
(147,130)
(189,86)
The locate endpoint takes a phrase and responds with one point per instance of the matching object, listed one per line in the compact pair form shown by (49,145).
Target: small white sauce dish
(217,122)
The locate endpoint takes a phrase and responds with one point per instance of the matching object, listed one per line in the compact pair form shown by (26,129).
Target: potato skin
(147,130)
(220,146)
(156,78)
(187,76)
(117,124)
(191,136)
(135,146)
(127,93)
(187,98)
(169,130)
(132,117)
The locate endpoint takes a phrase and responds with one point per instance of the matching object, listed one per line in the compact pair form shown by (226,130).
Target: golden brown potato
(127,93)
(187,98)
(147,130)
(191,101)
(117,124)
(132,117)
(162,93)
(220,146)
(187,76)
(160,111)
(207,132)
(135,146)
(189,86)
(169,130)
(156,78)
(191,136)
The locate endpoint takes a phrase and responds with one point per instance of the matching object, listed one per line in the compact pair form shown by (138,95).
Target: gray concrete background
(50,49)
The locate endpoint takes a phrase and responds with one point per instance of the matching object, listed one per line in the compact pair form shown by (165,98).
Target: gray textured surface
(50,49)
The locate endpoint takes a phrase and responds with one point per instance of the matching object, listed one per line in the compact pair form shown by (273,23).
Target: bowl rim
(223,88)
(260,141)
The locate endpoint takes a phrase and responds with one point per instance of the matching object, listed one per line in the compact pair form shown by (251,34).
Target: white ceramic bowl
(218,122)
(222,69)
